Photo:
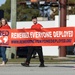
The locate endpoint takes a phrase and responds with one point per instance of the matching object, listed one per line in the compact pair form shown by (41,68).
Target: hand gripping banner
(63,36)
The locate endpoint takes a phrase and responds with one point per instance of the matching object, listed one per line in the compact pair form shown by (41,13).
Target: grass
(71,1)
(36,60)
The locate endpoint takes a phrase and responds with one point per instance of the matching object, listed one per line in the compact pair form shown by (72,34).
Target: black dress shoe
(42,65)
(24,64)
(6,61)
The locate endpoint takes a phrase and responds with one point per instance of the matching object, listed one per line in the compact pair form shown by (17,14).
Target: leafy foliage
(6,7)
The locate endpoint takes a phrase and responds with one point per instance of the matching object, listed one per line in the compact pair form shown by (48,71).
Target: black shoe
(6,61)
(42,65)
(24,64)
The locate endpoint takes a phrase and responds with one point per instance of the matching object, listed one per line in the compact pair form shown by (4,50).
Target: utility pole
(13,14)
(13,21)
(63,9)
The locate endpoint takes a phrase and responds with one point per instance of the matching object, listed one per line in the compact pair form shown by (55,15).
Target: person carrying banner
(31,49)
(3,48)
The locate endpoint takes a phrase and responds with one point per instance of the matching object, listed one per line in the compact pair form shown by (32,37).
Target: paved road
(50,69)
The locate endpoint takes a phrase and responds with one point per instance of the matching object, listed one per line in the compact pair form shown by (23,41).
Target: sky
(2,2)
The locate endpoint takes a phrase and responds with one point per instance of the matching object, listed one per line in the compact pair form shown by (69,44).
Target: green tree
(6,7)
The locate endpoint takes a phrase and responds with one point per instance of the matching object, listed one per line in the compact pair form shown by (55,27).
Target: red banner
(45,37)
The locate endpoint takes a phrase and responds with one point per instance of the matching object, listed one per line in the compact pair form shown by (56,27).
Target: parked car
(22,52)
